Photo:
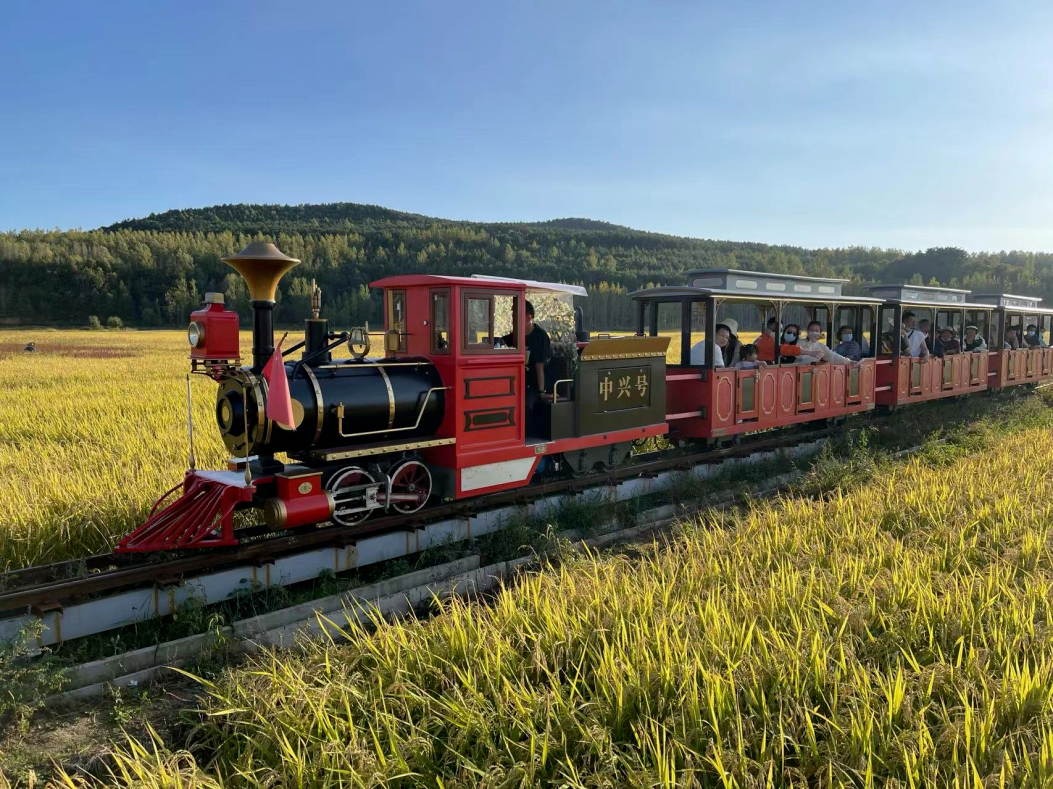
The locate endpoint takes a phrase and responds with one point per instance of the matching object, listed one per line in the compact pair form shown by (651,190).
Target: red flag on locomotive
(279,402)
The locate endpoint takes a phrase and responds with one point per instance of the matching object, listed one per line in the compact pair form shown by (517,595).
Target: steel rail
(116,573)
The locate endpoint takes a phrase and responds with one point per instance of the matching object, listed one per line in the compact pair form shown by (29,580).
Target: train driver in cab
(538,352)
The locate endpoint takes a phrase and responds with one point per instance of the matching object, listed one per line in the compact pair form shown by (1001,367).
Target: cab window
(489,322)
(397,315)
(440,321)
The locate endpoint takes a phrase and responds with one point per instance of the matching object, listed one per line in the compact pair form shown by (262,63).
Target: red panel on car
(724,401)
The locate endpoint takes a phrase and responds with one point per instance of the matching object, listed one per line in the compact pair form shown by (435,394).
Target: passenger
(766,344)
(1012,341)
(725,347)
(698,353)
(973,340)
(749,359)
(814,351)
(1033,338)
(848,347)
(916,345)
(733,348)
(790,336)
(948,344)
(888,342)
(925,327)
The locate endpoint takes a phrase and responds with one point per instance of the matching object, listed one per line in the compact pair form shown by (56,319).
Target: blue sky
(825,124)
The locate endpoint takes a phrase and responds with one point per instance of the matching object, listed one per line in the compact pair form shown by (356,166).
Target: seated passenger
(917,341)
(766,344)
(749,360)
(789,338)
(1012,340)
(973,340)
(848,347)
(947,344)
(888,344)
(815,351)
(1033,338)
(925,327)
(725,347)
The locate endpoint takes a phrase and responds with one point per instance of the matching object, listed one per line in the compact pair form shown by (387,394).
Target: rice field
(93,429)
(889,625)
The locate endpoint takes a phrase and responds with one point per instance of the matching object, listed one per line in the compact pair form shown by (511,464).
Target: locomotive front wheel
(410,487)
(349,478)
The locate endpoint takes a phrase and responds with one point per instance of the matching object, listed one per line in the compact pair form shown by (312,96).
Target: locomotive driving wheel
(344,480)
(410,487)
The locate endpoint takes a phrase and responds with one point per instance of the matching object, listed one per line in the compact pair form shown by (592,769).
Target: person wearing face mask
(790,335)
(1033,338)
(848,347)
(947,344)
(766,344)
(815,351)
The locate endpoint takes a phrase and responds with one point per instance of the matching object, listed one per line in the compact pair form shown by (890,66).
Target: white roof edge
(690,290)
(901,285)
(532,284)
(1005,296)
(689,272)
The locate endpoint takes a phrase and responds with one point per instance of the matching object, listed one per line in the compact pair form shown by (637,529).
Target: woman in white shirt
(813,351)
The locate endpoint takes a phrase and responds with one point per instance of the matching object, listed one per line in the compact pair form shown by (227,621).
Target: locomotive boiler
(334,402)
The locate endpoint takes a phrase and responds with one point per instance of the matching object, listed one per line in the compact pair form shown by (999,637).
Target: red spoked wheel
(345,479)
(410,487)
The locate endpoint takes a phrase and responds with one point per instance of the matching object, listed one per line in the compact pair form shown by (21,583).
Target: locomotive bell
(261,265)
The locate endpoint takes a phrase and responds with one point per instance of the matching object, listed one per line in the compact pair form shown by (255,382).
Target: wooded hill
(154,271)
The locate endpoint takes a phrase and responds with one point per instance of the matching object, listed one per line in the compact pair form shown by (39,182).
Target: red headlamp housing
(213,335)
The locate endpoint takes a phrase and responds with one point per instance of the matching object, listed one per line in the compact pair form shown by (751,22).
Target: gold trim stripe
(625,347)
(318,402)
(391,397)
(330,456)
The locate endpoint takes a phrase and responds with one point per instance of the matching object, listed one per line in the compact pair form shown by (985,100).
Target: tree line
(154,271)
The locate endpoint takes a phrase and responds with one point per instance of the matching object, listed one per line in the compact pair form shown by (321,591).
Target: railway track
(49,587)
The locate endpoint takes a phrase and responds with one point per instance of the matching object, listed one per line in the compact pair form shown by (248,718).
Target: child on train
(748,358)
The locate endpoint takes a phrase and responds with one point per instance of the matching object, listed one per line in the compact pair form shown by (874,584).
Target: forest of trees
(154,271)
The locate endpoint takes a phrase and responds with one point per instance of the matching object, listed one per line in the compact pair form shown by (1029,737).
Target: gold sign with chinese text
(626,387)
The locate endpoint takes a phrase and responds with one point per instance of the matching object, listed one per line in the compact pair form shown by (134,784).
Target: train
(443,412)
